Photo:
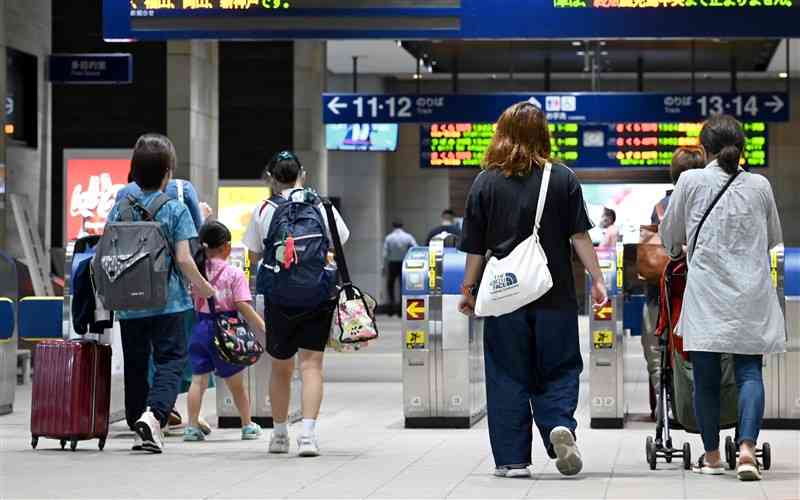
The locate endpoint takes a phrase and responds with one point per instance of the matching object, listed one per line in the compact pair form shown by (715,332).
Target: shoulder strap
(179,185)
(126,206)
(157,204)
(711,207)
(273,201)
(542,196)
(660,210)
(341,262)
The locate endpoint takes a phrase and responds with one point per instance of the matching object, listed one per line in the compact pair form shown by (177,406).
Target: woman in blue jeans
(533,359)
(729,305)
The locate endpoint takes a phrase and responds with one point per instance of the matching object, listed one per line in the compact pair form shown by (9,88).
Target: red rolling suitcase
(71,392)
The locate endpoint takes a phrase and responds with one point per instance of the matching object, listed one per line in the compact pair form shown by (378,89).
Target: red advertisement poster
(91,188)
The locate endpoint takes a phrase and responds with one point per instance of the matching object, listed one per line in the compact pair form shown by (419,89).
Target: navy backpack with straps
(294,270)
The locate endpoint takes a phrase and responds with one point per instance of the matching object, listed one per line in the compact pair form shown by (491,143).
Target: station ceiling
(615,56)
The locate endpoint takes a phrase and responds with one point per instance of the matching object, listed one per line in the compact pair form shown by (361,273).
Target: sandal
(704,467)
(747,469)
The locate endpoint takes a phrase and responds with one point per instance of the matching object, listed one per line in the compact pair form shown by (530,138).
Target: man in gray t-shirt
(395,247)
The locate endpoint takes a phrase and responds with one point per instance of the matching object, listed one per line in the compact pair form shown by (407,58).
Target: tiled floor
(367,454)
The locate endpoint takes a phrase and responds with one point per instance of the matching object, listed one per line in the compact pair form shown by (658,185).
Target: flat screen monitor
(361,137)
(632,203)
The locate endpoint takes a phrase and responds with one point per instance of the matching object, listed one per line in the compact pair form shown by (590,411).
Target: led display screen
(584,145)
(361,137)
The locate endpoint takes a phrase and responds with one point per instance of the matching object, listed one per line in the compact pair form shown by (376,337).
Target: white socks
(309,426)
(281,428)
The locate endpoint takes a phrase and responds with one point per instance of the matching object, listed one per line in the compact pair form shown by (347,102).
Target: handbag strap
(711,207)
(542,197)
(338,254)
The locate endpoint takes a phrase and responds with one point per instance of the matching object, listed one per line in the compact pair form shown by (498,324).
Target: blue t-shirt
(178,226)
(189,197)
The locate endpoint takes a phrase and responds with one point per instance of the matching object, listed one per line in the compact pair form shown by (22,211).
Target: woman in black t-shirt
(533,359)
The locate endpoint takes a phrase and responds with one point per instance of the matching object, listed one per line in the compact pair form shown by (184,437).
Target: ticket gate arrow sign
(604,313)
(335,105)
(415,309)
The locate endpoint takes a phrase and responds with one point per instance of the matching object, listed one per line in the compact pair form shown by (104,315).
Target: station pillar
(193,113)
(310,68)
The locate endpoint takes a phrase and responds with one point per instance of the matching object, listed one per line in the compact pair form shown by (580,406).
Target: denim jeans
(707,374)
(533,365)
(163,337)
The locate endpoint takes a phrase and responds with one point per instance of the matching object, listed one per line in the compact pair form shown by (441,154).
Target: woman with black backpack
(290,236)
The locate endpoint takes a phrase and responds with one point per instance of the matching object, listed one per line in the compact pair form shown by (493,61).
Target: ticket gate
(257,379)
(608,407)
(782,371)
(8,333)
(443,369)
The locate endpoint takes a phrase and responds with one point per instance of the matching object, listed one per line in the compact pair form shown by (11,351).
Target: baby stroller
(675,404)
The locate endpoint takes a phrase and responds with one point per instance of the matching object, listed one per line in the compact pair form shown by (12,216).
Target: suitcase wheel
(101,444)
(34,442)
(73,445)
(63,443)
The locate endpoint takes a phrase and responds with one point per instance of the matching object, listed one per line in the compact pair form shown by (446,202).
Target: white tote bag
(521,277)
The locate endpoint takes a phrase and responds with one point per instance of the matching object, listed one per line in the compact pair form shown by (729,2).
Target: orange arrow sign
(415,309)
(604,313)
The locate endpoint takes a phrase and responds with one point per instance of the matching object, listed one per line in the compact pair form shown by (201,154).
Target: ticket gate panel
(608,407)
(789,363)
(443,379)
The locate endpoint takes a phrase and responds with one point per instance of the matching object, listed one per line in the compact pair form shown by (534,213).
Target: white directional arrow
(335,105)
(776,104)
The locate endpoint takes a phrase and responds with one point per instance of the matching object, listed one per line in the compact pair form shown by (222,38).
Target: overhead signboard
(584,145)
(91,68)
(447,19)
(564,107)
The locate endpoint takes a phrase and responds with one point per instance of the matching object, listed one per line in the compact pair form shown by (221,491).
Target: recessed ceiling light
(576,43)
(783,74)
(580,53)
(604,53)
(399,43)
(417,76)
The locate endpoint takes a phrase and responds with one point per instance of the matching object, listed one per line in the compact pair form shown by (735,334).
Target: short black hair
(153,159)
(284,167)
(722,136)
(397,224)
(611,213)
(448,212)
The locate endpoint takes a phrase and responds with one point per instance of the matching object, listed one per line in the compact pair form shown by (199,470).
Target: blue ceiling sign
(447,19)
(564,107)
(91,68)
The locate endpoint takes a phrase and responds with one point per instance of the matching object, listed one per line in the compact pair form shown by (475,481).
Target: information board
(584,145)
(584,107)
(447,19)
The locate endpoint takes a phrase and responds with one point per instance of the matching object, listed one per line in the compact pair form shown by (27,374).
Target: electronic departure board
(584,145)
(447,19)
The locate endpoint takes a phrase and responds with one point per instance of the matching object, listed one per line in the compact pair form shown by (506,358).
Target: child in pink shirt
(233,297)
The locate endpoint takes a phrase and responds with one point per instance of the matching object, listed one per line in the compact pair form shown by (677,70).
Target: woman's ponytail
(723,138)
(728,158)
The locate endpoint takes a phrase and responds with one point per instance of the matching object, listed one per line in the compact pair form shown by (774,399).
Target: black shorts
(290,329)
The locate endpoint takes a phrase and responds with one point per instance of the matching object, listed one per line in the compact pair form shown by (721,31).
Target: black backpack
(132,263)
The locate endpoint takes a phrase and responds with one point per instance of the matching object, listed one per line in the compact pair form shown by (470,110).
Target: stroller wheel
(730,453)
(651,453)
(766,456)
(648,445)
(687,456)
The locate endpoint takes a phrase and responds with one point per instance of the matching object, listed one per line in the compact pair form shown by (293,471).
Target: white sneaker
(506,471)
(149,430)
(137,443)
(279,443)
(569,460)
(307,446)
